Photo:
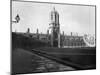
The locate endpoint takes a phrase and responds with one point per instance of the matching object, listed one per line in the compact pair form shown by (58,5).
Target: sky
(73,18)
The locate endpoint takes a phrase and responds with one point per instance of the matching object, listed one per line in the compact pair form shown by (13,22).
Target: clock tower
(55,28)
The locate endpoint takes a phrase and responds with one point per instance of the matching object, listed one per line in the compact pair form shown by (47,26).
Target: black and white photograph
(52,37)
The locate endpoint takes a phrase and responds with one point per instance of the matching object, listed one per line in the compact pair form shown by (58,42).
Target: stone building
(55,28)
(73,41)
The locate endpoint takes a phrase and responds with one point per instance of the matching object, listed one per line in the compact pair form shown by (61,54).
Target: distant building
(65,40)
(56,39)
(74,41)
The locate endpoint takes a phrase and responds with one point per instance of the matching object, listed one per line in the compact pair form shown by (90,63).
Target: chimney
(28,30)
(37,33)
(71,33)
(63,33)
(47,32)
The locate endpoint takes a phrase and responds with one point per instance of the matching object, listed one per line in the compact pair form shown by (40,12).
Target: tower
(55,28)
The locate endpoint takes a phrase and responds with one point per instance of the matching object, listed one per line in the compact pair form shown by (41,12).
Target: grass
(22,61)
(82,56)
